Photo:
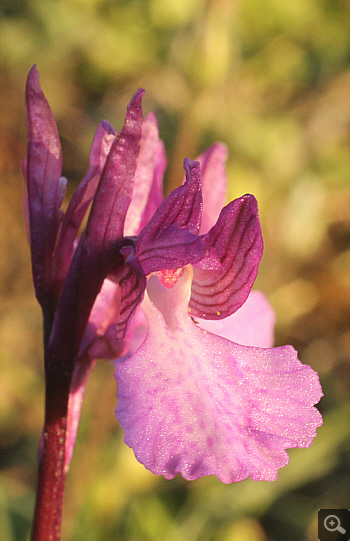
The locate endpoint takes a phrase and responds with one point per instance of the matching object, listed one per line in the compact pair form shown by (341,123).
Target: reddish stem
(61,345)
(51,474)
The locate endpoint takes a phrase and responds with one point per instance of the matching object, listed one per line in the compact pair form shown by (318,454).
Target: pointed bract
(114,192)
(82,370)
(98,252)
(82,198)
(103,237)
(45,187)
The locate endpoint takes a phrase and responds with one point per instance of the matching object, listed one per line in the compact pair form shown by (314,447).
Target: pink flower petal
(148,190)
(197,404)
(82,369)
(252,324)
(156,194)
(214,184)
(236,238)
(107,345)
(105,312)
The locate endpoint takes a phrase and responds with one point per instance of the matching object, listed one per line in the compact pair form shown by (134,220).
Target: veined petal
(148,191)
(170,240)
(214,183)
(132,285)
(45,187)
(194,403)
(252,324)
(237,240)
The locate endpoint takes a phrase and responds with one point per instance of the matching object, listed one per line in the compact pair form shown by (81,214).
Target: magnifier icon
(332,524)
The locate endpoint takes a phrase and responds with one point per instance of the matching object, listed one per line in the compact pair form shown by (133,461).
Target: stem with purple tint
(59,364)
(51,472)
(51,482)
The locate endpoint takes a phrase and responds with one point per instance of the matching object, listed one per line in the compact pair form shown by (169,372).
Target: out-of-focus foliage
(271,79)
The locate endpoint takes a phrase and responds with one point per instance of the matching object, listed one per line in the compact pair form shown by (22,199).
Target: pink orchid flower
(191,400)
(163,286)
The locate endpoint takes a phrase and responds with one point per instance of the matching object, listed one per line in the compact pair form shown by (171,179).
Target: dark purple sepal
(102,239)
(170,239)
(97,253)
(45,187)
(82,197)
(114,192)
(173,249)
(237,240)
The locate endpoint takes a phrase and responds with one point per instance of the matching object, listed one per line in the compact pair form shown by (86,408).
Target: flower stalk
(51,472)
(52,467)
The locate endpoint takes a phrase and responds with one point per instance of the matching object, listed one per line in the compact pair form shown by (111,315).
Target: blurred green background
(271,80)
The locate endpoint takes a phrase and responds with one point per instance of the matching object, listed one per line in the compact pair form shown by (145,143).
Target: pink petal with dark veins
(236,239)
(170,239)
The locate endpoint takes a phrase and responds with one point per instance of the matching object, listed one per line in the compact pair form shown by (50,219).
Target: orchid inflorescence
(162,287)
